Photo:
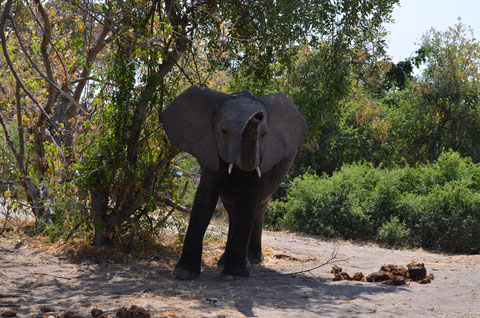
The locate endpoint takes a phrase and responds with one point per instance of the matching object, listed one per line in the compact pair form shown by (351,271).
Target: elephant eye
(224,131)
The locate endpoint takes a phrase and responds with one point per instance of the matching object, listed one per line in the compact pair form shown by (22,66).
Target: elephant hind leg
(255,254)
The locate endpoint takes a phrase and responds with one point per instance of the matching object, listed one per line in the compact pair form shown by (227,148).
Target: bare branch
(3,20)
(48,37)
(8,182)
(91,56)
(46,59)
(332,259)
(188,173)
(67,96)
(184,73)
(90,78)
(52,275)
(176,206)
(115,30)
(21,155)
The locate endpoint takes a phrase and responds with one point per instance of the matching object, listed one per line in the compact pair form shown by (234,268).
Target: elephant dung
(394,270)
(377,277)
(132,312)
(359,277)
(342,276)
(417,271)
(427,280)
(388,274)
(336,269)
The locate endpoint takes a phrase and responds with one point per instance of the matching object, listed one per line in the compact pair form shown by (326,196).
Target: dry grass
(164,253)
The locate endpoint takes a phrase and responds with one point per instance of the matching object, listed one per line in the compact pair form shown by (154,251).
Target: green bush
(393,232)
(275,215)
(435,206)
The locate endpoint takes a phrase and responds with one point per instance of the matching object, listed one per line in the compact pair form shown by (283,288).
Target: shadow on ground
(87,285)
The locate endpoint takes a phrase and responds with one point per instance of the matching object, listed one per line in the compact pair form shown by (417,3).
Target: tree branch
(21,139)
(46,59)
(67,96)
(118,29)
(332,259)
(91,56)
(3,20)
(195,178)
(8,182)
(176,206)
(49,37)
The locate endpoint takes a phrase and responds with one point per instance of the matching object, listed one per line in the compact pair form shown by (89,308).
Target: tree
(440,111)
(43,80)
(398,75)
(348,55)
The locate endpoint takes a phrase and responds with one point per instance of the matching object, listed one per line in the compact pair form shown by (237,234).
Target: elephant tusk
(258,171)
(230,167)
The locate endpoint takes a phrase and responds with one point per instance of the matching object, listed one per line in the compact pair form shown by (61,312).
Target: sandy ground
(32,277)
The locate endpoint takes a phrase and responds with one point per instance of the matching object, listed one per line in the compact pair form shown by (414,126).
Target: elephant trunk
(250,154)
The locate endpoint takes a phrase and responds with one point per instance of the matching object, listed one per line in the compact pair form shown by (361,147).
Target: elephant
(245,146)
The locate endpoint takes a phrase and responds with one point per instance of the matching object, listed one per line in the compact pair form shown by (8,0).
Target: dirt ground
(33,278)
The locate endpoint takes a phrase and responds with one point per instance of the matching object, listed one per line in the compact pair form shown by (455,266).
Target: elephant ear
(188,122)
(286,128)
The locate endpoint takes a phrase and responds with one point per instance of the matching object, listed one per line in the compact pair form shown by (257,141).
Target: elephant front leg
(231,215)
(188,266)
(246,202)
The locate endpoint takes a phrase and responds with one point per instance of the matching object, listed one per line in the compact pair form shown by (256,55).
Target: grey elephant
(245,146)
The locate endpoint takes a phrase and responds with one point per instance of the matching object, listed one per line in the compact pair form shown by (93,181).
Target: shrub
(275,214)
(435,206)
(393,232)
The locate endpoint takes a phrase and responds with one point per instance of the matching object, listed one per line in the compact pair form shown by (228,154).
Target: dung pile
(388,274)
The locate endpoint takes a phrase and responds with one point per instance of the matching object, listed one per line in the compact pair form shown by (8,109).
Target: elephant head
(249,132)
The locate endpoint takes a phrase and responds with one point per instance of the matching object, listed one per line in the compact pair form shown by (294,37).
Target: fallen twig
(9,296)
(56,276)
(332,259)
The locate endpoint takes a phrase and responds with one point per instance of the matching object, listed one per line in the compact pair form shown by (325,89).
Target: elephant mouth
(257,168)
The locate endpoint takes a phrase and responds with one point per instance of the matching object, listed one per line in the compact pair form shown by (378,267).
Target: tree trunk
(36,197)
(103,222)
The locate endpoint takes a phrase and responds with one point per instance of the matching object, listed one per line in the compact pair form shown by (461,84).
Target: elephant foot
(235,272)
(183,273)
(255,258)
(221,261)
(184,270)
(232,278)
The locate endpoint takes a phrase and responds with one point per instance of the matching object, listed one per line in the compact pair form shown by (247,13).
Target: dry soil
(35,279)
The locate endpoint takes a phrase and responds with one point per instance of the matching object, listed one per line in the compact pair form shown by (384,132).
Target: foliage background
(82,148)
